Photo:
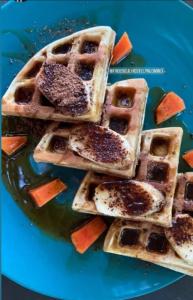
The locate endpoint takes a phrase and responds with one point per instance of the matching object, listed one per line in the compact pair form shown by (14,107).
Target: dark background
(181,290)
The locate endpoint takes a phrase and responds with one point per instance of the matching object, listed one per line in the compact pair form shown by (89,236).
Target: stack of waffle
(109,147)
(132,175)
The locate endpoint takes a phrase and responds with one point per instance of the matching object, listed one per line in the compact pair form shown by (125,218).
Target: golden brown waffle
(152,147)
(124,113)
(183,201)
(84,199)
(158,165)
(86,53)
(127,142)
(150,243)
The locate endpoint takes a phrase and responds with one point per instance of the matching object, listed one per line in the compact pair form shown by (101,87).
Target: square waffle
(124,113)
(86,53)
(183,201)
(158,165)
(154,152)
(153,243)
(102,148)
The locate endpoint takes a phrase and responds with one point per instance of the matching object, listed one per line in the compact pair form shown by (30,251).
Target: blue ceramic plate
(161,32)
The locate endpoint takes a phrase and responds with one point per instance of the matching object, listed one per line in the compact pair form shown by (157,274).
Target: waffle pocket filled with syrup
(154,243)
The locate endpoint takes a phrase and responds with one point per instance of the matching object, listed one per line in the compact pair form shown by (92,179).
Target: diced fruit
(46,192)
(188,157)
(10,144)
(169,107)
(121,49)
(84,237)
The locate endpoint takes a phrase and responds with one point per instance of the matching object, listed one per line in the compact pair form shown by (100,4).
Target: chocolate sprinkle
(129,197)
(64,89)
(182,230)
(101,143)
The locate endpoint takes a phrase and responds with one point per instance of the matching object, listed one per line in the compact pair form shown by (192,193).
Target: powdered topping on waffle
(157,168)
(86,54)
(101,145)
(180,236)
(64,89)
(127,198)
(114,145)
(182,229)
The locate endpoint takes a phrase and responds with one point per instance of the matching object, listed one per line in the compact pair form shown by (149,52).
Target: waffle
(84,199)
(183,201)
(86,53)
(100,147)
(152,152)
(151,243)
(124,113)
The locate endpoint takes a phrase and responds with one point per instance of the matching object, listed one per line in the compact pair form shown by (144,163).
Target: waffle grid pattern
(86,53)
(164,217)
(147,242)
(69,158)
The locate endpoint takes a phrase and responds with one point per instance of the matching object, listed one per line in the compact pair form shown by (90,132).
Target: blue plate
(161,32)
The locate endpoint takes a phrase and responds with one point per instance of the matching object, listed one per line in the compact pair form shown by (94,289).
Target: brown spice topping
(64,89)
(129,197)
(102,143)
(182,230)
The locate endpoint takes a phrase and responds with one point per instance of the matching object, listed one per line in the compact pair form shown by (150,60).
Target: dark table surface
(181,290)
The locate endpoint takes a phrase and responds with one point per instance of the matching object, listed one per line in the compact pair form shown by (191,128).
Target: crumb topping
(64,89)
